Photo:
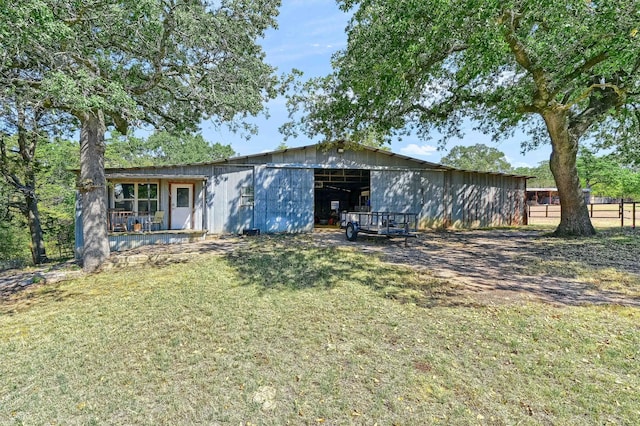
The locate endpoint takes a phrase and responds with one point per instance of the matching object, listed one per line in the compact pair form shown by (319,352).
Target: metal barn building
(291,190)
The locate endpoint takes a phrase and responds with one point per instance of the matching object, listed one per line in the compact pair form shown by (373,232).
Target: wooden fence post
(633,226)
(591,205)
(622,213)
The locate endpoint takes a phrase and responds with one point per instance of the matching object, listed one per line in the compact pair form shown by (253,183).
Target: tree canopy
(162,148)
(558,70)
(542,176)
(607,175)
(113,64)
(167,63)
(478,157)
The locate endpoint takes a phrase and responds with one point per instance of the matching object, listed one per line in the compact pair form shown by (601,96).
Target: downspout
(253,206)
(525,220)
(205,210)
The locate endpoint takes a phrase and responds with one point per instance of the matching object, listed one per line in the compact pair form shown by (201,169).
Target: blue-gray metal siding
(449,198)
(225,211)
(283,199)
(128,240)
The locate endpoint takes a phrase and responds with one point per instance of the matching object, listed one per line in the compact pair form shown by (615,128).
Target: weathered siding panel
(284,199)
(396,191)
(361,159)
(452,198)
(480,200)
(433,201)
(225,209)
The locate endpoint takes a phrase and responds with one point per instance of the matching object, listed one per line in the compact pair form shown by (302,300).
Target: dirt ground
(490,266)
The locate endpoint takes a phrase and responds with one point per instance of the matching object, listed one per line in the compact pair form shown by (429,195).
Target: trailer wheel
(351,232)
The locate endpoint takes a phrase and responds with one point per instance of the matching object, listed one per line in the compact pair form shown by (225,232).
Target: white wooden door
(181,205)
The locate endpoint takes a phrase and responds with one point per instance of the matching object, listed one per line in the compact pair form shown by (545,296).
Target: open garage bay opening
(338,190)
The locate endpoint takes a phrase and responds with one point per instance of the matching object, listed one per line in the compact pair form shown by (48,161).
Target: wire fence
(623,214)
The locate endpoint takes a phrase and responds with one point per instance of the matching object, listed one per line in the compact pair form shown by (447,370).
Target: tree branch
(167,30)
(590,63)
(511,22)
(597,105)
(589,91)
(528,109)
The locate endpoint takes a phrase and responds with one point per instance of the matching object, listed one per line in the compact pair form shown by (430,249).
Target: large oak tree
(558,69)
(114,63)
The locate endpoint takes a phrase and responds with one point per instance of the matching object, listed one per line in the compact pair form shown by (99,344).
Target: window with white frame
(141,198)
(246,196)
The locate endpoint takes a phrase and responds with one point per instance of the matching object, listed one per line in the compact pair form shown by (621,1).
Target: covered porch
(147,209)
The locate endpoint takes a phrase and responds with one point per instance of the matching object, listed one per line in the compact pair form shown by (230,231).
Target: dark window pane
(147,207)
(147,190)
(124,205)
(143,207)
(182,197)
(142,191)
(128,190)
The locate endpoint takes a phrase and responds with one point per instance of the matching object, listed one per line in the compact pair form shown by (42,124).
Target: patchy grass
(608,260)
(284,332)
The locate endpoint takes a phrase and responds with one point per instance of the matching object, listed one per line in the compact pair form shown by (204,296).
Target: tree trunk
(574,214)
(93,188)
(27,144)
(38,253)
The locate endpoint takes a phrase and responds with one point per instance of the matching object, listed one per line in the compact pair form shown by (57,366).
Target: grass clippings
(284,332)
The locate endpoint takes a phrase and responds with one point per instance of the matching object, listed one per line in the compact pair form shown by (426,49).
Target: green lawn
(287,333)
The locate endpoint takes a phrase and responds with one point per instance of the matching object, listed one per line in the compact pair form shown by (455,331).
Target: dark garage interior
(337,190)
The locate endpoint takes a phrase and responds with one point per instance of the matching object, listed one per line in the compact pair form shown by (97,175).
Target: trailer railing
(389,224)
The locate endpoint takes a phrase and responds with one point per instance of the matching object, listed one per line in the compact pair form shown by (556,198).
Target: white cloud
(418,150)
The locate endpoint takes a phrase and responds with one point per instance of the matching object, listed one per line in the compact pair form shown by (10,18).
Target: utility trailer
(404,225)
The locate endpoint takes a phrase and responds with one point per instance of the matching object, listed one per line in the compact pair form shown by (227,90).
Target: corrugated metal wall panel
(128,241)
(482,200)
(360,159)
(459,199)
(433,201)
(284,199)
(396,191)
(225,210)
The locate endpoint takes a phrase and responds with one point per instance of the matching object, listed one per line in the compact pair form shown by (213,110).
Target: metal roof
(233,161)
(125,175)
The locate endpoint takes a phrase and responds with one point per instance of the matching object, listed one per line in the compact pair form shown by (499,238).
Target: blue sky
(309,32)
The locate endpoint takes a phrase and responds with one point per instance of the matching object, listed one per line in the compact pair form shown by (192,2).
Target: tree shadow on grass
(35,294)
(292,265)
